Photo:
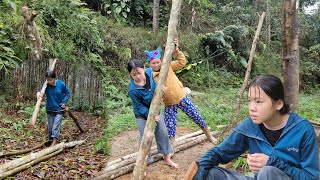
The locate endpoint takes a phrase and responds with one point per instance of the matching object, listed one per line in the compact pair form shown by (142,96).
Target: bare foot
(169,162)
(54,142)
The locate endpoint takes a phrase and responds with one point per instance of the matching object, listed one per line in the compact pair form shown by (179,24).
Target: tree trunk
(155,19)
(290,48)
(148,134)
(32,34)
(246,78)
(268,28)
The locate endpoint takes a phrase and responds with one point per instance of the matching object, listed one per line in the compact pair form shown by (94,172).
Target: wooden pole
(245,81)
(75,120)
(145,146)
(43,89)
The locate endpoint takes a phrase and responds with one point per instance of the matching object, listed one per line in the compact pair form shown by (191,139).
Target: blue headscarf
(155,54)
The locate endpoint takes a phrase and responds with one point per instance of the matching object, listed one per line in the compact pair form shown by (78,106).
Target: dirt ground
(80,162)
(128,142)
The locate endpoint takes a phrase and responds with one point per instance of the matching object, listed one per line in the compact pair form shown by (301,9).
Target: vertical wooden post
(246,78)
(145,146)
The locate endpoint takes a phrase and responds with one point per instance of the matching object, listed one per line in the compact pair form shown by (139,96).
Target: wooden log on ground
(43,89)
(2,154)
(11,165)
(75,120)
(128,168)
(27,165)
(128,159)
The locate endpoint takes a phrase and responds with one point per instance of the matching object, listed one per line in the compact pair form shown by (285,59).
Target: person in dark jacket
(141,90)
(280,144)
(57,95)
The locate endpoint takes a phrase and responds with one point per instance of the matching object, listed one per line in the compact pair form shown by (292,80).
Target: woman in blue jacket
(57,94)
(141,89)
(280,144)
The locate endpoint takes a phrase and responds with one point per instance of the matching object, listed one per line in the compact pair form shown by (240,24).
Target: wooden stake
(75,120)
(245,81)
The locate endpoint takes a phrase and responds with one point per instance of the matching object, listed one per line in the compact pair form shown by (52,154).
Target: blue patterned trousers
(171,112)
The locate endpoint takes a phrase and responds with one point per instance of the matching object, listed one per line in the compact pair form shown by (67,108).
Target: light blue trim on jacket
(295,152)
(141,97)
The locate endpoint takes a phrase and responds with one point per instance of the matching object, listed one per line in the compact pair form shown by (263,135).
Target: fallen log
(2,154)
(129,167)
(128,159)
(75,120)
(11,165)
(27,165)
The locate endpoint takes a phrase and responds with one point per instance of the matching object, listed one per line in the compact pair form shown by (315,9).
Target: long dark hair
(273,87)
(134,64)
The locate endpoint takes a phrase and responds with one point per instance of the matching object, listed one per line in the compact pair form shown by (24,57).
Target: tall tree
(155,19)
(290,48)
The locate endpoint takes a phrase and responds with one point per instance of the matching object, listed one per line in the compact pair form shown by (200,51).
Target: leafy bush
(310,67)
(227,48)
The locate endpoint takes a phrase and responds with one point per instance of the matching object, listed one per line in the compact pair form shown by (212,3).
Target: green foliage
(226,48)
(118,9)
(28,111)
(240,164)
(9,60)
(310,67)
(309,106)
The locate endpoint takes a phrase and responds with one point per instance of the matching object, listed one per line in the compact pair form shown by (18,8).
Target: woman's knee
(215,174)
(270,172)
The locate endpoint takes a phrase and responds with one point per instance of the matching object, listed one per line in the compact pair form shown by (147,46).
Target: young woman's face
(261,107)
(138,75)
(155,64)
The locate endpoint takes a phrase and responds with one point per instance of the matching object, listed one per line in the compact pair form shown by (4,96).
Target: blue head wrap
(155,54)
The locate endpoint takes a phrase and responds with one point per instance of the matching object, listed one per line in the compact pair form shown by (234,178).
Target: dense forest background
(94,40)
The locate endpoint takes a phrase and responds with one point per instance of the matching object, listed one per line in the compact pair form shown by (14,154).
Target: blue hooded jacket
(295,152)
(56,96)
(141,97)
